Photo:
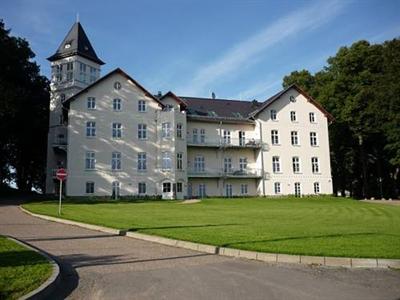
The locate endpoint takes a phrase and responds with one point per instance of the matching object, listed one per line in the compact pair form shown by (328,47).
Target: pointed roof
(76,43)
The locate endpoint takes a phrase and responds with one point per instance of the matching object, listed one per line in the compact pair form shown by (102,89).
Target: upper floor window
(179,130)
(227,165)
(166,161)
(242,138)
(195,135)
(142,161)
(179,161)
(168,107)
(166,129)
(117,106)
(313,139)
(274,137)
(90,129)
(90,160)
(243,164)
(294,137)
(142,131)
(82,72)
(93,74)
(227,136)
(116,130)
(199,163)
(316,188)
(142,106)
(273,114)
(116,161)
(277,188)
(91,103)
(312,117)
(293,116)
(296,164)
(315,164)
(117,85)
(58,72)
(276,164)
(202,136)
(70,72)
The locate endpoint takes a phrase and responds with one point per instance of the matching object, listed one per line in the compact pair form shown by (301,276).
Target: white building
(115,137)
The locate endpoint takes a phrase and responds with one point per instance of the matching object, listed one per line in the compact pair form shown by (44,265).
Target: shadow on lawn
(182,226)
(21,258)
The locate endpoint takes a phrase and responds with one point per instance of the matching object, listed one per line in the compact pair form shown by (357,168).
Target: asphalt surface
(96,265)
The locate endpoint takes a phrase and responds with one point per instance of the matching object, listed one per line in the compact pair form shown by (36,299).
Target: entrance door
(167,190)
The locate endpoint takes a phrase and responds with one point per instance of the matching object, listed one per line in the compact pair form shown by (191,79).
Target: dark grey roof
(79,45)
(222,108)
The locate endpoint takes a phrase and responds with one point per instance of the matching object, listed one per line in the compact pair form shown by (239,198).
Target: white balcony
(226,173)
(59,139)
(204,141)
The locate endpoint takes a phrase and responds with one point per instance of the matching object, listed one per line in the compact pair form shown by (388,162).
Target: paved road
(102,266)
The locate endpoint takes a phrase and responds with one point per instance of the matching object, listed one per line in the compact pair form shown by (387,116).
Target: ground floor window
(166,187)
(179,187)
(89,187)
(142,187)
(316,187)
(243,189)
(228,190)
(116,186)
(297,189)
(277,187)
(202,190)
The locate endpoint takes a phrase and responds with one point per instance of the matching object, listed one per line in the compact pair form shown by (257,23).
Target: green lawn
(21,270)
(309,226)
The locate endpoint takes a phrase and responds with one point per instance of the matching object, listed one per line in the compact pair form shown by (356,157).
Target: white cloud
(245,52)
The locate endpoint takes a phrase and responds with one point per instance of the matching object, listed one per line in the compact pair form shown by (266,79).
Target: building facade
(117,139)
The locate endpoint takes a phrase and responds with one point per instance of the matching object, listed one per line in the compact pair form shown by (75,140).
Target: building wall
(217,187)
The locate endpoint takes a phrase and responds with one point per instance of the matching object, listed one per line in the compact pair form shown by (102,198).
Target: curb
(327,261)
(46,288)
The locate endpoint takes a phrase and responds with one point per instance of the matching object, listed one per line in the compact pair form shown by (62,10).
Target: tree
(24,102)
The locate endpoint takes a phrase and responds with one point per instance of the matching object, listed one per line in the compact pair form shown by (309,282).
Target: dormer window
(67,45)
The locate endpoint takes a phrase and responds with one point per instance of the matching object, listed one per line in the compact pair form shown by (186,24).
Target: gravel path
(96,265)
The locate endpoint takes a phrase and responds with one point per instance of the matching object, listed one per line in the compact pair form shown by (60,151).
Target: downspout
(262,158)
(221,183)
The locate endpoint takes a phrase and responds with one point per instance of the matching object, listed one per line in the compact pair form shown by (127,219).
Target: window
(312,117)
(89,187)
(116,130)
(179,161)
(274,137)
(315,164)
(62,97)
(82,72)
(90,160)
(294,137)
(202,190)
(228,190)
(166,130)
(168,107)
(273,115)
(116,189)
(227,164)
(117,104)
(70,72)
(243,164)
(199,164)
(296,164)
(277,188)
(142,131)
(142,106)
(195,136)
(90,129)
(93,74)
(91,103)
(117,85)
(293,116)
(243,189)
(242,138)
(276,164)
(179,188)
(313,139)
(58,72)
(316,187)
(166,161)
(297,189)
(116,161)
(142,161)
(202,136)
(166,187)
(179,130)
(142,188)
(227,137)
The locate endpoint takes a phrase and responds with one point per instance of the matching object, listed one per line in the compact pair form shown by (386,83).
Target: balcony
(60,140)
(221,142)
(221,173)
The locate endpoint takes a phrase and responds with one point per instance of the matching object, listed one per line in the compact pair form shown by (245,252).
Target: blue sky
(237,49)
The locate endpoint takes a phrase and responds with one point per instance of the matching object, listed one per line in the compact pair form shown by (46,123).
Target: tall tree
(24,102)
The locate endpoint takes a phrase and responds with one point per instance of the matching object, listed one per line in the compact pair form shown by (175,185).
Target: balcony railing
(204,141)
(228,173)
(60,140)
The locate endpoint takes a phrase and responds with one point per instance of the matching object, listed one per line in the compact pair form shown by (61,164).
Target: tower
(74,66)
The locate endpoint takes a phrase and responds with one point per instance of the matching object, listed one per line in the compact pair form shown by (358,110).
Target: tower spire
(77,17)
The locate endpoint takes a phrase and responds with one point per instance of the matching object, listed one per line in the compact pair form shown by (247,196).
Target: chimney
(213,95)
(159,94)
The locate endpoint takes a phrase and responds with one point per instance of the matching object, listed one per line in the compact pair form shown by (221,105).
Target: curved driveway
(97,265)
